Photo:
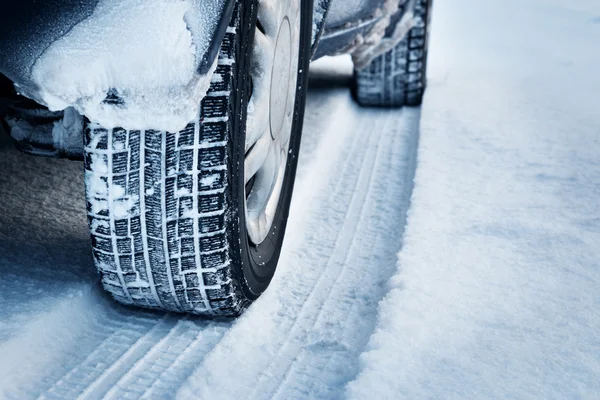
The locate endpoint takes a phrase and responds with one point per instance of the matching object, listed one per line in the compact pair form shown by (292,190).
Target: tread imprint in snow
(151,248)
(397,77)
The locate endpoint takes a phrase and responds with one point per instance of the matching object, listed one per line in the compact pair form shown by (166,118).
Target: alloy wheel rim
(273,69)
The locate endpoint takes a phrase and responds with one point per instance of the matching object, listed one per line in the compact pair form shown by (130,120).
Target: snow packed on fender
(141,62)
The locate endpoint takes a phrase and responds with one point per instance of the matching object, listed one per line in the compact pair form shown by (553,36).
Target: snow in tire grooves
(157,206)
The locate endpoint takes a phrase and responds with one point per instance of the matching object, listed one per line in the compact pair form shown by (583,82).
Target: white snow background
(495,293)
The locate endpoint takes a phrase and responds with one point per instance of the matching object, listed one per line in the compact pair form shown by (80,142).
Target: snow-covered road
(62,337)
(495,292)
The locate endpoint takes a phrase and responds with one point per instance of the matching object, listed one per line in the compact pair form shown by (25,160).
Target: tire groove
(163,217)
(143,216)
(109,199)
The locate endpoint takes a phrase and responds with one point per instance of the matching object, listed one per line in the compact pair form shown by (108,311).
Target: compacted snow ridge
(448,252)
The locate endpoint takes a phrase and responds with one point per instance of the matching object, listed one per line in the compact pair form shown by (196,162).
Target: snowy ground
(494,292)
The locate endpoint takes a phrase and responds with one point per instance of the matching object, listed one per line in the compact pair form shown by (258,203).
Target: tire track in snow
(119,349)
(56,344)
(321,293)
(349,316)
(137,358)
(170,362)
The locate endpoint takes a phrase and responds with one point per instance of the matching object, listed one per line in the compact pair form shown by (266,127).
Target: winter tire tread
(159,205)
(398,77)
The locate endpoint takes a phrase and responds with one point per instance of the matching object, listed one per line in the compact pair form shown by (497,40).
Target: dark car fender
(29,27)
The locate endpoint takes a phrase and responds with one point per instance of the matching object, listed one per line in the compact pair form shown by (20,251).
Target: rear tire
(167,210)
(398,77)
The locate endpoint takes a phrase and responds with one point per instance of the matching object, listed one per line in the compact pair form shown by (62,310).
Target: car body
(29,27)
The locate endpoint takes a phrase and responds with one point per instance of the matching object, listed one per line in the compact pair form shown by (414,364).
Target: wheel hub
(270,112)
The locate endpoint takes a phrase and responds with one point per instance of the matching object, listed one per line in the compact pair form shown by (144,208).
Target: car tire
(398,77)
(167,211)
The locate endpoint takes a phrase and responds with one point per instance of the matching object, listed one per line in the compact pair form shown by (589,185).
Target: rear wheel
(398,77)
(194,221)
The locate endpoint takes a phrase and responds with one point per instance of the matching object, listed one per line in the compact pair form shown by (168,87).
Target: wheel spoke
(269,16)
(286,132)
(258,107)
(258,200)
(256,156)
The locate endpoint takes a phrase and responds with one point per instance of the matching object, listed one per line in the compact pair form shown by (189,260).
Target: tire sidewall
(255,265)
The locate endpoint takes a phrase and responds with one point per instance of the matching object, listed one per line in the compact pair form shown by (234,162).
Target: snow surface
(494,293)
(144,53)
